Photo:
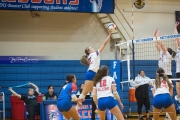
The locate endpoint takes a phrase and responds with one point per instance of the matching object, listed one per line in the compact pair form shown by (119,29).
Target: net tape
(150,39)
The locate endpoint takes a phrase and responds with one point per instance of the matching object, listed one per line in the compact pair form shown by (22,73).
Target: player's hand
(176,24)
(122,106)
(110,32)
(79,101)
(157,33)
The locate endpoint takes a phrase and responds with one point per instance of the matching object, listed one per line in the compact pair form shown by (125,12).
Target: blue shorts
(162,101)
(64,105)
(90,75)
(106,103)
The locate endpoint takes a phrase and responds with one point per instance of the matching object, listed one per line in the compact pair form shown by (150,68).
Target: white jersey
(104,87)
(164,88)
(165,62)
(94,60)
(177,59)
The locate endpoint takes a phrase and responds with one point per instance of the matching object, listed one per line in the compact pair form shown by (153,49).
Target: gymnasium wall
(62,36)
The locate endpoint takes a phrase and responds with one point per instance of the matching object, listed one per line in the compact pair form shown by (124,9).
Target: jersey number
(64,87)
(103,83)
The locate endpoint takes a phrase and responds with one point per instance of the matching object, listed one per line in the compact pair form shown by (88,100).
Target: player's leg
(156,113)
(178,86)
(88,86)
(171,111)
(157,106)
(169,106)
(66,115)
(102,114)
(117,113)
(73,113)
(114,109)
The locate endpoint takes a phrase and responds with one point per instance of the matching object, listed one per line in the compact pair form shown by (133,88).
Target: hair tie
(67,81)
(157,74)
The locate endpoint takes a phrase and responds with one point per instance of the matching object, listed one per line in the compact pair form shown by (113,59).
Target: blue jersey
(67,91)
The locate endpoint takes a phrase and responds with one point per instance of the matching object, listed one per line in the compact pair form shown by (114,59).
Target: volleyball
(112,27)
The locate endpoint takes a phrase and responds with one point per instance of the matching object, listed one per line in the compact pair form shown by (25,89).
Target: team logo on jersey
(98,4)
(52,115)
(139,4)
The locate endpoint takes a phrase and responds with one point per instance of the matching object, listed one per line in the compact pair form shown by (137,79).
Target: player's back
(67,91)
(104,87)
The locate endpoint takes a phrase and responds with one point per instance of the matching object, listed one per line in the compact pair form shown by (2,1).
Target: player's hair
(83,59)
(80,90)
(50,86)
(69,78)
(171,52)
(102,71)
(161,73)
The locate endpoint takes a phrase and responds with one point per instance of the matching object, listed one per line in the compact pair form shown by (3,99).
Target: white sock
(82,96)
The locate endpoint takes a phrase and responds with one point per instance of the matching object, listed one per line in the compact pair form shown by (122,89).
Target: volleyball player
(92,60)
(162,96)
(68,94)
(102,90)
(177,59)
(166,55)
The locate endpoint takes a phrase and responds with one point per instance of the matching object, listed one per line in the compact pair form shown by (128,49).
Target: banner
(89,6)
(52,112)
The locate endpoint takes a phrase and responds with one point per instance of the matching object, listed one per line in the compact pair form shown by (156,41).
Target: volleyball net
(146,57)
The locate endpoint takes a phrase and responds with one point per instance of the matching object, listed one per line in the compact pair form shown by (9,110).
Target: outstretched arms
(177,40)
(159,45)
(105,42)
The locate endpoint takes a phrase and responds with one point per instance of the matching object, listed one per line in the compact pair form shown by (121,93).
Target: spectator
(30,100)
(50,95)
(80,91)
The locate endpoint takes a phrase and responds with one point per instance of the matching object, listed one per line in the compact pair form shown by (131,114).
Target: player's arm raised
(14,93)
(156,34)
(177,40)
(105,42)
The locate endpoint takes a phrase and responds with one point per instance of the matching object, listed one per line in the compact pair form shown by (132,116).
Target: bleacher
(150,67)
(42,74)
(54,72)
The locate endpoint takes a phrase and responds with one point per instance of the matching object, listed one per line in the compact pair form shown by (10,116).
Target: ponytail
(173,54)
(102,71)
(167,80)
(84,60)
(160,73)
(62,86)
